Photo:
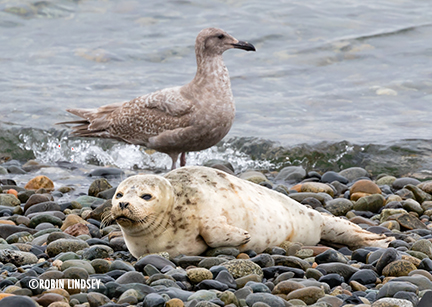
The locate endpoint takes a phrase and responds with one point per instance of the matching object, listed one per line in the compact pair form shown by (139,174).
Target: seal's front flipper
(217,232)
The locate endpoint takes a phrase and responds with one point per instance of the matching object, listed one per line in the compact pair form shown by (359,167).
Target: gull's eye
(221,36)
(119,195)
(146,196)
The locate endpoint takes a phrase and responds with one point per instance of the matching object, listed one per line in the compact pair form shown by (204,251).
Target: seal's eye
(221,36)
(119,195)
(146,196)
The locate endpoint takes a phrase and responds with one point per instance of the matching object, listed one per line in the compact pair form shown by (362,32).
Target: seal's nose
(123,205)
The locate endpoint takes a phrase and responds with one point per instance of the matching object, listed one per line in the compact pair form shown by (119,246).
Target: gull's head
(213,41)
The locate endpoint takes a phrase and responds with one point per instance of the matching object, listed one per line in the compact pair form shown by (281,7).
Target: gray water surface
(332,70)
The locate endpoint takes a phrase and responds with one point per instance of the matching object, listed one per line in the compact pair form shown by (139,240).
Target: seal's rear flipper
(338,230)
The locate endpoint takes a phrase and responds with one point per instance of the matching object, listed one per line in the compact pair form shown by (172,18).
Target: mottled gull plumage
(174,120)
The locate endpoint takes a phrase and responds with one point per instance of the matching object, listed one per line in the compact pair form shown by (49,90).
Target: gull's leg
(183,159)
(174,157)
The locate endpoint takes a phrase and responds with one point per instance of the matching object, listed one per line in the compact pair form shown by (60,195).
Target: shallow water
(332,71)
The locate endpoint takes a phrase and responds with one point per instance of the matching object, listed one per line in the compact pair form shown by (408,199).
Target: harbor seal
(190,209)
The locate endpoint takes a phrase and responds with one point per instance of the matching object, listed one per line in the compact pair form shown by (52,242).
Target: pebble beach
(54,250)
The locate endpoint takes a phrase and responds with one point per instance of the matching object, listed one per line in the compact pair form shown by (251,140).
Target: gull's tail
(94,122)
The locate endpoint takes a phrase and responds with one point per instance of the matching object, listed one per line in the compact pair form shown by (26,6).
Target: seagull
(174,120)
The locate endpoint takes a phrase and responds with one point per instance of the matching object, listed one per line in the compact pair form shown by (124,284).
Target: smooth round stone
(412,205)
(287,286)
(78,263)
(9,200)
(332,280)
(330,255)
(314,187)
(150,270)
(186,261)
(210,262)
(75,273)
(121,265)
(228,297)
(365,186)
(226,278)
(339,206)
(67,256)
(340,268)
(97,251)
(424,246)
(309,295)
(409,296)
(43,207)
(19,237)
(354,173)
(330,176)
(229,251)
(242,281)
(398,268)
(390,288)
(45,226)
(399,183)
(409,221)
(174,302)
(385,180)
(372,203)
(263,260)
(258,287)
(45,218)
(131,277)
(422,282)
(206,304)
(197,275)
(97,186)
(269,299)
(21,301)
(391,225)
(155,260)
(391,302)
(17,258)
(65,245)
(97,299)
(271,272)
(419,194)
(425,264)
(330,300)
(253,176)
(360,255)
(240,268)
(364,277)
(50,298)
(153,300)
(291,174)
(291,261)
(106,172)
(311,201)
(202,295)
(210,284)
(312,273)
(101,266)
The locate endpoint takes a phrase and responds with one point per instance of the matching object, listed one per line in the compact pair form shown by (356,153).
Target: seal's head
(141,204)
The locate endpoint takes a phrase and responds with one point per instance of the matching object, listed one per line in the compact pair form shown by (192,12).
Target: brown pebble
(39,182)
(72,219)
(398,268)
(174,302)
(77,230)
(365,186)
(243,256)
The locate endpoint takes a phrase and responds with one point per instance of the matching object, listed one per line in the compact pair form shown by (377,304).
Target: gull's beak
(244,45)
